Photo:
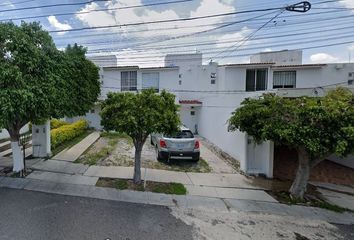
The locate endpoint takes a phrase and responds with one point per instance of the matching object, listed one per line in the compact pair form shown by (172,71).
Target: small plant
(67,132)
(122,184)
(329,206)
(157,187)
(169,188)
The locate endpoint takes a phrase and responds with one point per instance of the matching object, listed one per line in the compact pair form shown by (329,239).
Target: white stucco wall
(212,123)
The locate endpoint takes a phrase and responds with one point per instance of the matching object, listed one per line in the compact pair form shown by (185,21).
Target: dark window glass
(250,79)
(182,134)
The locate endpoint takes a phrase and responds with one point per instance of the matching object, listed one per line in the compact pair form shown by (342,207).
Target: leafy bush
(55,123)
(67,132)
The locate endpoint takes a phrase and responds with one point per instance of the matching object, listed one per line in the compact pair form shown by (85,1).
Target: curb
(178,201)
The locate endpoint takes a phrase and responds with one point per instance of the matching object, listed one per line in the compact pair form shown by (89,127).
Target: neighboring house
(4,134)
(209,93)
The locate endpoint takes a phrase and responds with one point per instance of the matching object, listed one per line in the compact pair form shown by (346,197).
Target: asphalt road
(31,215)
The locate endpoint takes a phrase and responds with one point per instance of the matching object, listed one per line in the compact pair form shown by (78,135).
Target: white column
(41,140)
(17,156)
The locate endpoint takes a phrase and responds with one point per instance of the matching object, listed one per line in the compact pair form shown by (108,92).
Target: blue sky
(326,23)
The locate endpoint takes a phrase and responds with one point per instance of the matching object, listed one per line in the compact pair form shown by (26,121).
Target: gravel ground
(123,153)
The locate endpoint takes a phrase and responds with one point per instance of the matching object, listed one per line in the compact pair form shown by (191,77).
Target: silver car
(182,145)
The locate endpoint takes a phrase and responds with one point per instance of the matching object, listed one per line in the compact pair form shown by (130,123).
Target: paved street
(34,216)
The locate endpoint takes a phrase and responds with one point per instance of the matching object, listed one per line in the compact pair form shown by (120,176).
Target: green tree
(36,80)
(138,115)
(315,127)
(79,77)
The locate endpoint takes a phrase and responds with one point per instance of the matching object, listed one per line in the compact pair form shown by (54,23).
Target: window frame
(283,86)
(253,83)
(129,80)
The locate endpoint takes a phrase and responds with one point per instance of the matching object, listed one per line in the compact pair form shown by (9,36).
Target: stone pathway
(340,199)
(73,153)
(60,167)
(217,164)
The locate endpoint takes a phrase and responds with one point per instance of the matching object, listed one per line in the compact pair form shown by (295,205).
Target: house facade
(209,93)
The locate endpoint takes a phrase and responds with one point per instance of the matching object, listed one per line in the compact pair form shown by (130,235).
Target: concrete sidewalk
(199,179)
(77,150)
(175,201)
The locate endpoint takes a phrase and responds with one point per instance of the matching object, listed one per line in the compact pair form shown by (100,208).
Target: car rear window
(182,134)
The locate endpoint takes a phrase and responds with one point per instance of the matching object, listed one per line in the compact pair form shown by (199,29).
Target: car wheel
(158,156)
(196,159)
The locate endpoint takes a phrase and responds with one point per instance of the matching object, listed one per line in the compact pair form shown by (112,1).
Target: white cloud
(323,58)
(351,48)
(267,50)
(155,32)
(347,3)
(58,25)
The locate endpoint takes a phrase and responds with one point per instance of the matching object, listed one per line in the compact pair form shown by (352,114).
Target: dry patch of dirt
(118,150)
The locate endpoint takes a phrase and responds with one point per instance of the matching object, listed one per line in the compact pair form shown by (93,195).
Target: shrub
(67,132)
(55,123)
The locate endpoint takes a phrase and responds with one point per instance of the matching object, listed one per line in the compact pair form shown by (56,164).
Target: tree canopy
(38,81)
(316,127)
(138,115)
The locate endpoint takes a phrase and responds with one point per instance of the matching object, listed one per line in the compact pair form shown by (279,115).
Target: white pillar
(17,156)
(41,140)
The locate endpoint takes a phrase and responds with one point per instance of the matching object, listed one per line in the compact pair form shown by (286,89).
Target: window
(179,75)
(180,82)
(192,113)
(182,134)
(284,79)
(256,79)
(151,80)
(129,81)
(92,111)
(213,78)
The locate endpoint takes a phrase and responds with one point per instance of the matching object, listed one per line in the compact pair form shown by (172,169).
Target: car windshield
(182,134)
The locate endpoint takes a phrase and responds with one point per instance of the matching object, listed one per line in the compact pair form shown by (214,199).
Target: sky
(324,32)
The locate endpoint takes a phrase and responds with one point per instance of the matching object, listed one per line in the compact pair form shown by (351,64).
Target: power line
(13,3)
(97,10)
(242,55)
(230,40)
(244,40)
(306,22)
(163,21)
(293,41)
(52,5)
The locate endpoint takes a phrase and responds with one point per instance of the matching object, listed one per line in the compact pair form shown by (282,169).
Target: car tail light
(163,143)
(197,144)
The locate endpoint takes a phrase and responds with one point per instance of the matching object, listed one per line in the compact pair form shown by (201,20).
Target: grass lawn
(70,143)
(157,187)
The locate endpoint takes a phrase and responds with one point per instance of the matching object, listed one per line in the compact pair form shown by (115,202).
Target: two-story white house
(209,93)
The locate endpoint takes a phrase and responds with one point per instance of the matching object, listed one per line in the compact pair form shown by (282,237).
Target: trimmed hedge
(55,123)
(67,132)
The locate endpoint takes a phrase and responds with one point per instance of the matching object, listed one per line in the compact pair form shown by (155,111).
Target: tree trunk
(16,149)
(298,188)
(137,163)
